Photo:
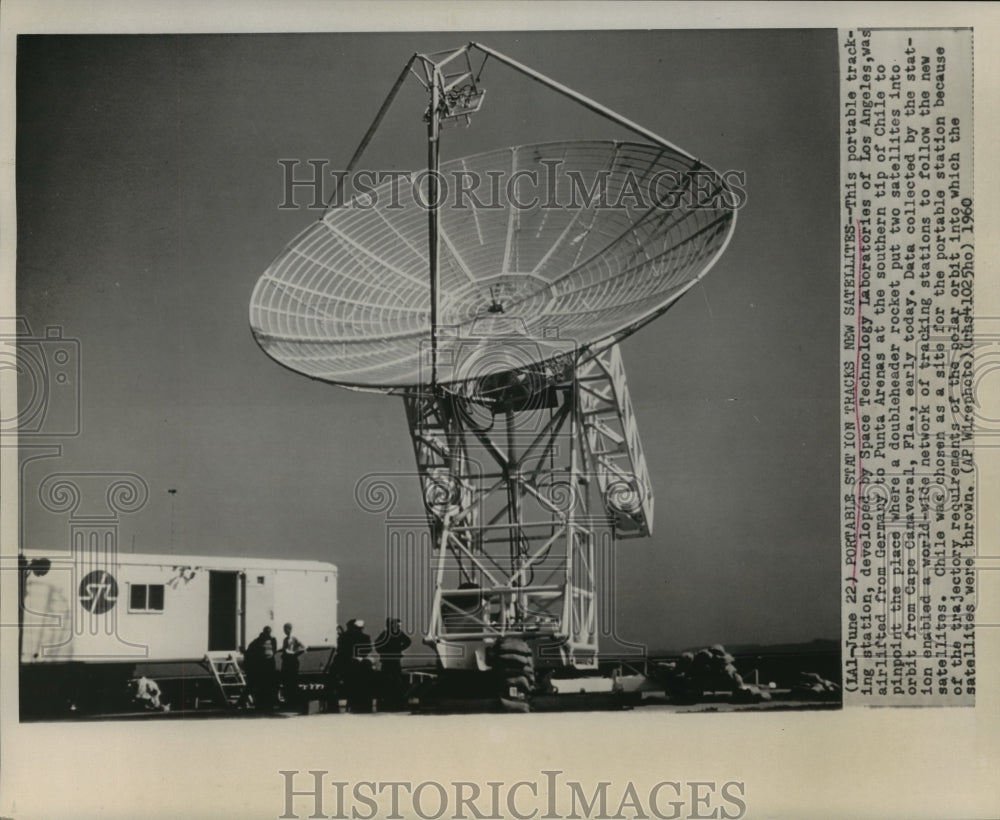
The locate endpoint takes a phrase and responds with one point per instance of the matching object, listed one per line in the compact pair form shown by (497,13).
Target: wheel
(513,667)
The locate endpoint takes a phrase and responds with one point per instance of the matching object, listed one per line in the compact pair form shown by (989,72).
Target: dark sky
(148,192)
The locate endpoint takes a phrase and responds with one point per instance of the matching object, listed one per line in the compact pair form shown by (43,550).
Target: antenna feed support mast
(455,94)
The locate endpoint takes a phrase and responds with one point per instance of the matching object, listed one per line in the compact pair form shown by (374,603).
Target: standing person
(356,666)
(291,648)
(390,644)
(333,678)
(261,671)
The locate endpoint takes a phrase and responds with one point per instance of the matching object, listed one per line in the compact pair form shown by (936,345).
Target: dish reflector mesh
(576,242)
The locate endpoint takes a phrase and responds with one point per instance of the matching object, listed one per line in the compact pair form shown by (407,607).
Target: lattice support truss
(507,499)
(614,445)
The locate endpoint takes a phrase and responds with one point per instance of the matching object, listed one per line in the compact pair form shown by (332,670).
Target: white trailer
(134,614)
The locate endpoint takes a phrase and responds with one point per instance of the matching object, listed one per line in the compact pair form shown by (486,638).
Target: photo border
(929,762)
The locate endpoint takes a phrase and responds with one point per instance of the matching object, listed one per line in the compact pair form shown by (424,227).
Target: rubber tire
(513,666)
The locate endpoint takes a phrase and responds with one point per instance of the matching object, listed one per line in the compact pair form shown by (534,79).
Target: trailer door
(223,608)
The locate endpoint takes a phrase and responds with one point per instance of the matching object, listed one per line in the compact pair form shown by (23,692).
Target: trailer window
(146,598)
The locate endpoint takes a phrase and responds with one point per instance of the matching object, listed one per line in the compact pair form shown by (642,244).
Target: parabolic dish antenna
(489,292)
(577,241)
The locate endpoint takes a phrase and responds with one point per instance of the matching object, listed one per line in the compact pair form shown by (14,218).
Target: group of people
(265,683)
(364,671)
(361,671)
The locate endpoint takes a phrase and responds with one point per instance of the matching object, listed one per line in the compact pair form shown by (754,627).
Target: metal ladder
(229,678)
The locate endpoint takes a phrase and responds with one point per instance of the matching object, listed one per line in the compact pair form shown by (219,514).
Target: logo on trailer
(98,591)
